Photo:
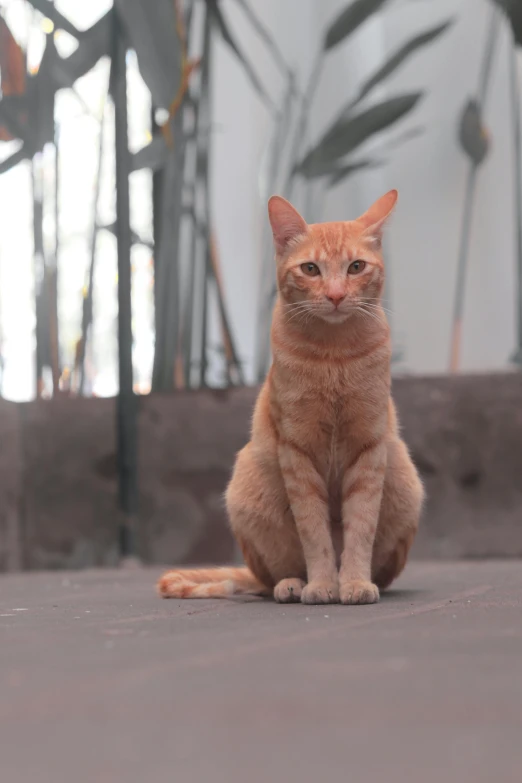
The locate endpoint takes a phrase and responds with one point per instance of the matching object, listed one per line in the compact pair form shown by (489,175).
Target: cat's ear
(374,219)
(287,224)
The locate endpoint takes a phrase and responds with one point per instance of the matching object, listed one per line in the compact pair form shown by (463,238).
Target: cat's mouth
(335,316)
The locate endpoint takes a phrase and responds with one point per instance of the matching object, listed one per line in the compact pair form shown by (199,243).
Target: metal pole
(204,108)
(39,268)
(127,402)
(517,142)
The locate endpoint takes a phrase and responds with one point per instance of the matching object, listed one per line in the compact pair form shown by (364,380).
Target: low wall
(58,486)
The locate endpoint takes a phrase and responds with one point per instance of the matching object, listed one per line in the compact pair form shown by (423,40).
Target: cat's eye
(312,270)
(356,267)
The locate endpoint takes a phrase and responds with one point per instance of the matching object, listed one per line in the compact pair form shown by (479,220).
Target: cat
(324,500)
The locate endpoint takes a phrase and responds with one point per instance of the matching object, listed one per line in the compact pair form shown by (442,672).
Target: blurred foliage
(332,158)
(513,10)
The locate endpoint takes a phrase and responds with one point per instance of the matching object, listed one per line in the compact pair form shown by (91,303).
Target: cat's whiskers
(376,307)
(302,309)
(369,313)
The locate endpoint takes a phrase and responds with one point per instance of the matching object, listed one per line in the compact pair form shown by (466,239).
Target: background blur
(205,108)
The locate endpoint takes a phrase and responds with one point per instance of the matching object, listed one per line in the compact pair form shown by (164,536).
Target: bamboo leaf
(513,11)
(411,133)
(350,20)
(344,172)
(333,167)
(349,132)
(264,34)
(402,54)
(219,21)
(473,136)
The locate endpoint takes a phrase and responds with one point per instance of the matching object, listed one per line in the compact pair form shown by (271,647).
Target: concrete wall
(58,473)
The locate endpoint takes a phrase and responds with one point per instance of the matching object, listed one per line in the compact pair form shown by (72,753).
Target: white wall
(430,173)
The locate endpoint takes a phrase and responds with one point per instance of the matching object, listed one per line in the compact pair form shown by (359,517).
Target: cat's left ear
(374,219)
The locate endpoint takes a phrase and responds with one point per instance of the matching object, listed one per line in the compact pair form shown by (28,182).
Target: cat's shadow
(401,596)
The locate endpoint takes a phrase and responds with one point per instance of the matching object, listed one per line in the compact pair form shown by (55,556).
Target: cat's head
(329,270)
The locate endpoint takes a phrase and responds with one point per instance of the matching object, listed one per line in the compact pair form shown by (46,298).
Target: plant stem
(265,36)
(267,276)
(302,123)
(465,235)
(469,198)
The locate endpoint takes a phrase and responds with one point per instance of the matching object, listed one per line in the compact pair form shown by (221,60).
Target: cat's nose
(336,299)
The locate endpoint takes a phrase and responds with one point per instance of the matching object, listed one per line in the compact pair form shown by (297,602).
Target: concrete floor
(102,682)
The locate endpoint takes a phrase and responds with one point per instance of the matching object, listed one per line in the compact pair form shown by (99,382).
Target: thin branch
(265,36)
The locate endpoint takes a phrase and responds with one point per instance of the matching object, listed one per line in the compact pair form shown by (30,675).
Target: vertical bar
(126,403)
(52,270)
(39,268)
(87,302)
(203,161)
(517,143)
(157,192)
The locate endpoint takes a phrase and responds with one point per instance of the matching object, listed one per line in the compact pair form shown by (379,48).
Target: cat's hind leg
(401,507)
(262,522)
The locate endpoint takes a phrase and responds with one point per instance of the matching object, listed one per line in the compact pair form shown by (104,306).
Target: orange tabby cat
(324,500)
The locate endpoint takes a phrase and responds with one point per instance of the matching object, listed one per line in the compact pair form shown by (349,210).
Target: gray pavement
(102,682)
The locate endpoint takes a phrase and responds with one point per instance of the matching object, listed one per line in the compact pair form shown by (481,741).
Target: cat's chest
(330,408)
(333,416)
(327,420)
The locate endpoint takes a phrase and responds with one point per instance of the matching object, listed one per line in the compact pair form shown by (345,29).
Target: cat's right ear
(287,224)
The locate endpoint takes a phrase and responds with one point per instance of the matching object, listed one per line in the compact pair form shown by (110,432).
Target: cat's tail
(210,583)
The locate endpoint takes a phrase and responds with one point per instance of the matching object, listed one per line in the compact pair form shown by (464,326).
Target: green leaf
(411,133)
(334,167)
(402,54)
(349,132)
(219,20)
(344,172)
(473,136)
(349,20)
(513,10)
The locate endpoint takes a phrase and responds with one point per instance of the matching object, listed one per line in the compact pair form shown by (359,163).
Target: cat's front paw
(288,590)
(321,591)
(358,591)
